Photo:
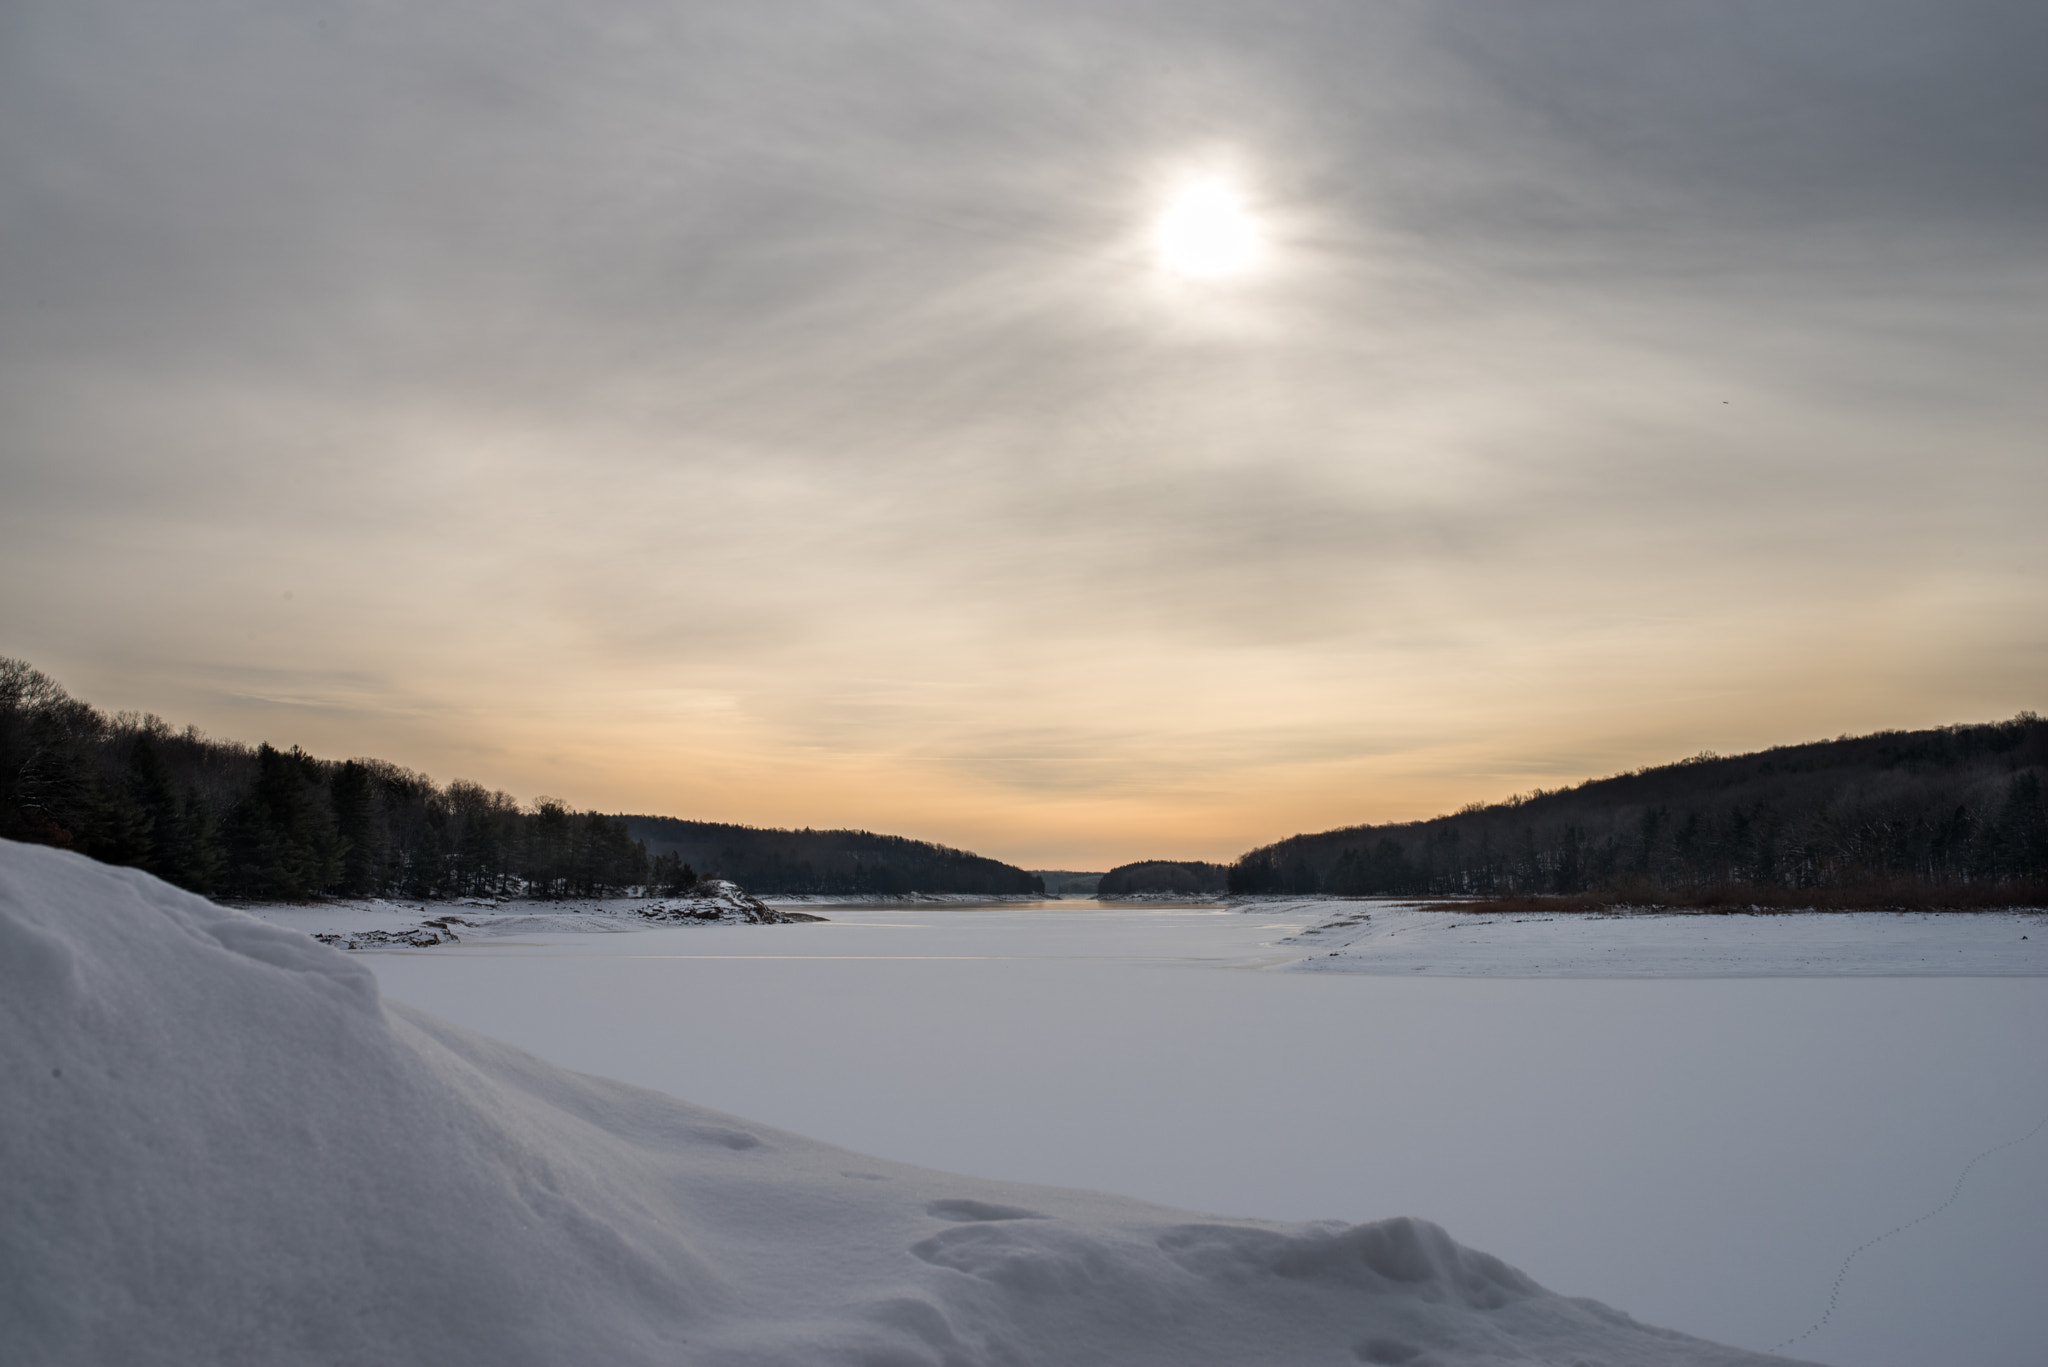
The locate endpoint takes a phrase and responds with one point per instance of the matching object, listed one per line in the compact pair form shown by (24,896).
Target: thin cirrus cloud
(781,414)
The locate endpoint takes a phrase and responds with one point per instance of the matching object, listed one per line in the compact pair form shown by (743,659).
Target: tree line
(1950,816)
(833,863)
(225,819)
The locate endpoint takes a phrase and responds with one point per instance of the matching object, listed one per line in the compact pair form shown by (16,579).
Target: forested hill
(235,820)
(830,862)
(1161,876)
(1952,816)
(228,819)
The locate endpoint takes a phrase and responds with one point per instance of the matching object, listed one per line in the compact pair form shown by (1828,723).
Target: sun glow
(1206,231)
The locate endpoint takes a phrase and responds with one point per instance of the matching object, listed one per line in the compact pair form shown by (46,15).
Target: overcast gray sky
(785,413)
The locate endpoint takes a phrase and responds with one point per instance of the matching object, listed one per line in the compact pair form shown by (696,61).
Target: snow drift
(220,1144)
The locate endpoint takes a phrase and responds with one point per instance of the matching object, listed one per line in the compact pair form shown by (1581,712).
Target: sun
(1207,231)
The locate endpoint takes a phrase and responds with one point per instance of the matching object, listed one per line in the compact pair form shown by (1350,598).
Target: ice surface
(222,1145)
(1702,1151)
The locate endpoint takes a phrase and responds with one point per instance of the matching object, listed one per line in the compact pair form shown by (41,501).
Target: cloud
(1906,114)
(641,397)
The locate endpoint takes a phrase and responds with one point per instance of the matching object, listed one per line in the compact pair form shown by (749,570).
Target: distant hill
(1162,875)
(767,860)
(1952,816)
(1067,882)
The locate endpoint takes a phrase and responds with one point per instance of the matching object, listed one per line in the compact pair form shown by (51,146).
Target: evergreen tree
(282,840)
(355,827)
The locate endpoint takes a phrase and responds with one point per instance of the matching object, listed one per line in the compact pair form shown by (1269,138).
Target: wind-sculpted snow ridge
(220,1144)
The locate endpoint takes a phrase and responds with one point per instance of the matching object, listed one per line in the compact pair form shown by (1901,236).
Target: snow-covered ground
(1327,935)
(1399,938)
(1702,1151)
(221,1144)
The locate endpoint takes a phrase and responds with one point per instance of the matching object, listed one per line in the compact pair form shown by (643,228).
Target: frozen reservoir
(1703,1151)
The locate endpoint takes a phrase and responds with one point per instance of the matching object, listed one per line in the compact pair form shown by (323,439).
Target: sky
(1075,432)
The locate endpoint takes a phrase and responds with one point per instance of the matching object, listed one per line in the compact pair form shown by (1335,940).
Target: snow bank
(221,1145)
